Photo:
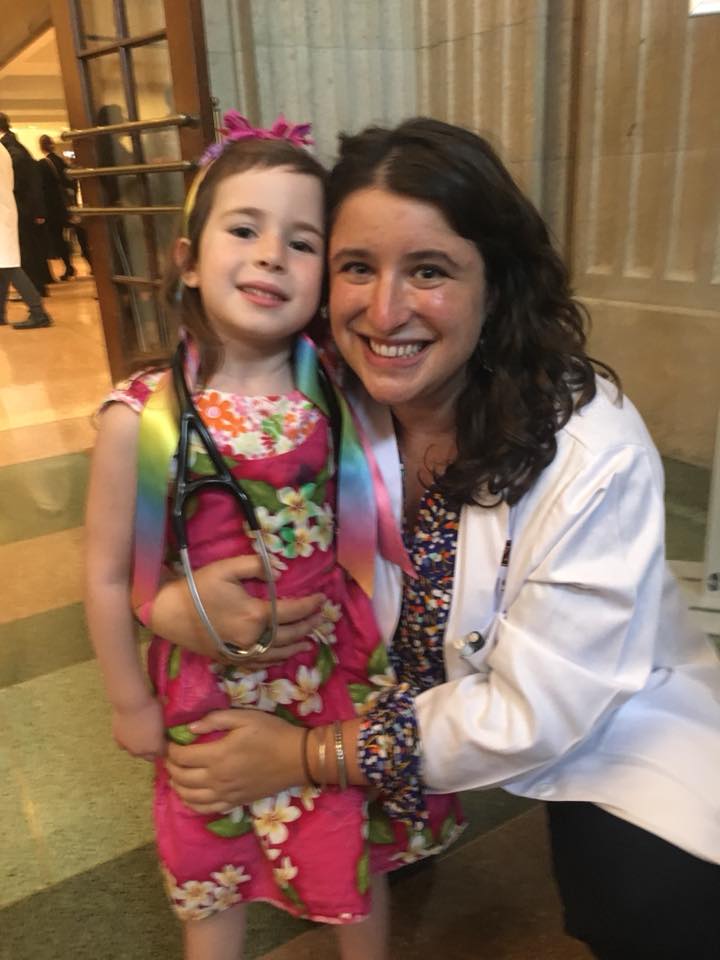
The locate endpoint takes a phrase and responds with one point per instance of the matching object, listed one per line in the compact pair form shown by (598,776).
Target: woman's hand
(238,618)
(259,756)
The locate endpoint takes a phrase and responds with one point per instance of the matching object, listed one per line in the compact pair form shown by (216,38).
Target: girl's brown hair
(184,304)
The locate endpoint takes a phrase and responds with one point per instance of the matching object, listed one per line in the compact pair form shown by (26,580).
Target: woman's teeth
(395,349)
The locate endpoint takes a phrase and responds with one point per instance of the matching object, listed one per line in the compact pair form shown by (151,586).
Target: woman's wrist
(329,755)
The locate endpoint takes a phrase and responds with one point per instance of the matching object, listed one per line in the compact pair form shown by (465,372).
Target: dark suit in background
(31,208)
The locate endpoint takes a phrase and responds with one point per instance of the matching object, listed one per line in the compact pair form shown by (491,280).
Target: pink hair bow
(236,127)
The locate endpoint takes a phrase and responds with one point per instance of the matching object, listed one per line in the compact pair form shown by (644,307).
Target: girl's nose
(270,254)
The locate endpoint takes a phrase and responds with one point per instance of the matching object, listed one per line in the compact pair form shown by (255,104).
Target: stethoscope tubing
(190,420)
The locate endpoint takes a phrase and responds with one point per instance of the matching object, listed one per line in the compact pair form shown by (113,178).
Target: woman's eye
(355,268)
(243,233)
(428,271)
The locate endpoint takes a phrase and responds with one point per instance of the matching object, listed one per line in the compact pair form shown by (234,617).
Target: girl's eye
(243,233)
(303,246)
(428,271)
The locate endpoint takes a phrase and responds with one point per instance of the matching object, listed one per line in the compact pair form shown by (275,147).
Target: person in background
(30,209)
(10,269)
(543,646)
(56,196)
(69,193)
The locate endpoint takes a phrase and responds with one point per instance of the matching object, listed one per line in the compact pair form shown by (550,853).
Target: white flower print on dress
(297,509)
(195,894)
(280,691)
(286,872)
(307,682)
(300,543)
(306,795)
(324,528)
(268,523)
(422,845)
(324,632)
(226,897)
(270,816)
(230,875)
(243,689)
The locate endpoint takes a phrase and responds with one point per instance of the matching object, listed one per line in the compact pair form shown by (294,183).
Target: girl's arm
(137,716)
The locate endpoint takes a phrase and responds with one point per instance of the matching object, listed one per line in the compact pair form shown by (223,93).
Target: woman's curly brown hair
(529,371)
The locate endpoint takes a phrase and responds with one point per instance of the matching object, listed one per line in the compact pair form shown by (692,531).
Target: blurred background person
(30,208)
(56,166)
(57,199)
(10,269)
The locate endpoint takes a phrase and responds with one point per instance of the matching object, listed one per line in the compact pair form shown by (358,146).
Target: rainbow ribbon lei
(364,517)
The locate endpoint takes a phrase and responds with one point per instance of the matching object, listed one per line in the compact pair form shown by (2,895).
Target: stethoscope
(222,479)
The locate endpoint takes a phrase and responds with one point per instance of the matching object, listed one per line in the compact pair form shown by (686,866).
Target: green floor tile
(86,801)
(43,643)
(687,492)
(42,496)
(118,911)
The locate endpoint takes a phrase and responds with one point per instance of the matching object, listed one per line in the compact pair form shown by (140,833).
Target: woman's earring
(179,290)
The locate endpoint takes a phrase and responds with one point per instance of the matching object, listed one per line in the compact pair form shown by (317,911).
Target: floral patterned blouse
(390,750)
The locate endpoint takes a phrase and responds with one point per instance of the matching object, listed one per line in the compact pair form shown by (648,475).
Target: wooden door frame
(185,35)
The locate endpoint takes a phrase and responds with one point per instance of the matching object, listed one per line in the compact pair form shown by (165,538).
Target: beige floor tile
(54,373)
(25,867)
(41,574)
(71,799)
(46,440)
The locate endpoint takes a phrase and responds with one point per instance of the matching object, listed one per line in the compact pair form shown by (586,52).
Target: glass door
(136,86)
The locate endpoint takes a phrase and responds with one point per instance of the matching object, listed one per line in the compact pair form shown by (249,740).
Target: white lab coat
(9,244)
(591,684)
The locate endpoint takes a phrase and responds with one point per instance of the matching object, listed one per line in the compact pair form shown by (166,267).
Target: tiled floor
(77,870)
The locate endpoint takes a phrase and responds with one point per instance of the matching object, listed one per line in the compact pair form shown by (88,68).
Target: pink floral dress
(307,851)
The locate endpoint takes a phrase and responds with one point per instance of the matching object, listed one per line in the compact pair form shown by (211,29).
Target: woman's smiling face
(407,298)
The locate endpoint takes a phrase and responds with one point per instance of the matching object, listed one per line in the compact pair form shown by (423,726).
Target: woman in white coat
(10,270)
(541,646)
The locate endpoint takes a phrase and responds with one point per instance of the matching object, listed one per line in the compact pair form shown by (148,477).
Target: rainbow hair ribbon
(365,523)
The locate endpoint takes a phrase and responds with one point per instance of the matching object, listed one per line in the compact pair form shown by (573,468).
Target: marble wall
(645,250)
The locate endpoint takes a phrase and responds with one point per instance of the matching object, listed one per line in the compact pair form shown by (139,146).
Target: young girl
(250,267)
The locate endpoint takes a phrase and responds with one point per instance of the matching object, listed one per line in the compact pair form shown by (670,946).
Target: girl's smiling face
(260,262)
(407,298)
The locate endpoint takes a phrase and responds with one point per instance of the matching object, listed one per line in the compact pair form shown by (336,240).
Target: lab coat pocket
(474,648)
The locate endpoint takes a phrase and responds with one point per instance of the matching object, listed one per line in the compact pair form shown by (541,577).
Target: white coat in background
(9,244)
(591,684)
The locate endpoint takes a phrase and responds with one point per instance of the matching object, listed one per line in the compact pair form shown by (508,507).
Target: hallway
(79,878)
